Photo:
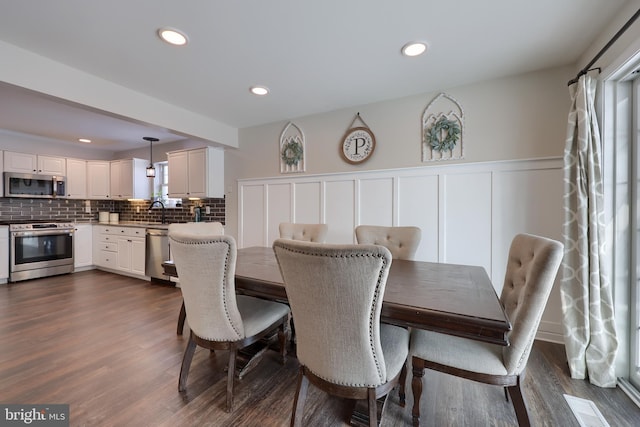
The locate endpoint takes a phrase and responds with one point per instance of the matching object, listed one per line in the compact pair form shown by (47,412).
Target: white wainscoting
(468,212)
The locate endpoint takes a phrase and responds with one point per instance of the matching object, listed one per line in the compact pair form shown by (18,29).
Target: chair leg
(519,405)
(282,339)
(231,372)
(300,399)
(373,407)
(402,380)
(416,386)
(181,318)
(186,364)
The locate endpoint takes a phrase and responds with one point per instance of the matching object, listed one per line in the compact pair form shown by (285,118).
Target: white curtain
(587,303)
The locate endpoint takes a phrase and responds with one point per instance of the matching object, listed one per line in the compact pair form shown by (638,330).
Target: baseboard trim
(550,337)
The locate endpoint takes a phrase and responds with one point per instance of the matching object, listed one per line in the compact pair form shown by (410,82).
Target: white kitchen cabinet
(4,253)
(82,246)
(131,254)
(32,163)
(76,179)
(120,249)
(128,179)
(196,173)
(98,181)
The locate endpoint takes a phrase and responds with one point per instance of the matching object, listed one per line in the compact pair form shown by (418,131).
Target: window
(161,186)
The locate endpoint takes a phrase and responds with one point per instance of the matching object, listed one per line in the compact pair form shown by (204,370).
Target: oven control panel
(42,226)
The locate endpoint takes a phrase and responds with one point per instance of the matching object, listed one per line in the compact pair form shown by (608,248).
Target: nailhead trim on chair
(371,313)
(241,335)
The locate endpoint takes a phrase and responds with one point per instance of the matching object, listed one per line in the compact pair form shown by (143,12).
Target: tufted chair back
(304,232)
(531,269)
(200,227)
(335,293)
(403,242)
(206,263)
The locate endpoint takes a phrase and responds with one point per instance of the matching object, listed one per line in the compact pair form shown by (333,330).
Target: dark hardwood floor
(107,346)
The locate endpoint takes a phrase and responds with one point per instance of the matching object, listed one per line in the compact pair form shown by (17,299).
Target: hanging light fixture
(151,171)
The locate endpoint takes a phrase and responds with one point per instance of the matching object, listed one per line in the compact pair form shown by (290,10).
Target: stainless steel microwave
(33,186)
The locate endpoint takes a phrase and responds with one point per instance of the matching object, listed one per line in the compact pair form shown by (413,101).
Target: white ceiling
(314,56)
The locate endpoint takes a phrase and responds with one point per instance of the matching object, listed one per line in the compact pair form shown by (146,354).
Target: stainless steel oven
(39,250)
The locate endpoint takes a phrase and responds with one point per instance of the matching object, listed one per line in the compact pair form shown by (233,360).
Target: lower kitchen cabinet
(82,242)
(120,249)
(131,252)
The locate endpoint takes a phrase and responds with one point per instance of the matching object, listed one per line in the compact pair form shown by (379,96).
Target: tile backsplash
(19,209)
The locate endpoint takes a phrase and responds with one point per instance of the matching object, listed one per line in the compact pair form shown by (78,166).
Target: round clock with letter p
(357,145)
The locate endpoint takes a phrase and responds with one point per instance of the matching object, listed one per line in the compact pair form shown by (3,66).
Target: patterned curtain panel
(587,303)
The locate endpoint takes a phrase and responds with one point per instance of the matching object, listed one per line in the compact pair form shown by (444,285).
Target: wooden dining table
(452,299)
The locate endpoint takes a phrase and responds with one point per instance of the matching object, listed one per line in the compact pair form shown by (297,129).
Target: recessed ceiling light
(414,48)
(259,90)
(85,140)
(173,36)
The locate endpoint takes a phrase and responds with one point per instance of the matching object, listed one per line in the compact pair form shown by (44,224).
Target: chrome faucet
(161,204)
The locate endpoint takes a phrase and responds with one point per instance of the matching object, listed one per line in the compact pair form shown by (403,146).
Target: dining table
(452,299)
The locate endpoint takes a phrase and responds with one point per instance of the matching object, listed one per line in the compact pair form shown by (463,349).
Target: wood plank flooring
(106,345)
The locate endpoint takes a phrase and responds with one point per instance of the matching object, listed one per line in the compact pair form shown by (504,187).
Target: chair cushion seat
(395,348)
(457,352)
(258,314)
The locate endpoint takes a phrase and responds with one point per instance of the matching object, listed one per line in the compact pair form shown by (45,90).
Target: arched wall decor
(292,149)
(442,133)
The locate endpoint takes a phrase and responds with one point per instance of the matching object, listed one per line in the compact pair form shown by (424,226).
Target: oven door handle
(41,233)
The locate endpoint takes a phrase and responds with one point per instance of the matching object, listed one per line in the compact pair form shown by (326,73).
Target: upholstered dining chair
(219,319)
(335,293)
(203,228)
(304,232)
(532,266)
(403,242)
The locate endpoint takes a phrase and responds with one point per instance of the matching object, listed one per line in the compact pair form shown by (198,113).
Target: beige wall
(517,117)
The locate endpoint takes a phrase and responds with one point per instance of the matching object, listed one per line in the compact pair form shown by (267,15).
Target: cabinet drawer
(107,246)
(135,232)
(113,230)
(108,259)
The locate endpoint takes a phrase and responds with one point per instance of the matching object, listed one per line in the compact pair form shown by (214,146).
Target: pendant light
(151,171)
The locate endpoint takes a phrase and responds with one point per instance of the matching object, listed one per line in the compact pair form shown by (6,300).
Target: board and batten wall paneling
(416,207)
(375,204)
(252,215)
(466,219)
(279,208)
(525,201)
(308,197)
(340,210)
(468,213)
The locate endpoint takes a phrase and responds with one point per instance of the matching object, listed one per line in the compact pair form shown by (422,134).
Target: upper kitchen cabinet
(128,179)
(32,163)
(76,179)
(98,179)
(196,173)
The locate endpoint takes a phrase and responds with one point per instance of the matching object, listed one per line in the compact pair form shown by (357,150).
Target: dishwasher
(157,243)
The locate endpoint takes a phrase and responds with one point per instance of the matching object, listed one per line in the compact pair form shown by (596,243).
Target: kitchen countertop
(138,224)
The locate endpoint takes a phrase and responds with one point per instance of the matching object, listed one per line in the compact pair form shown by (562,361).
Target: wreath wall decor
(292,149)
(442,133)
(292,152)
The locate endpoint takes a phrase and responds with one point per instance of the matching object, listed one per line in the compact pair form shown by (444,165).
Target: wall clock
(357,145)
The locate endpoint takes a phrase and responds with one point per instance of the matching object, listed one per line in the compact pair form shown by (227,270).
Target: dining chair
(403,242)
(219,319)
(203,228)
(336,293)
(532,266)
(304,232)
